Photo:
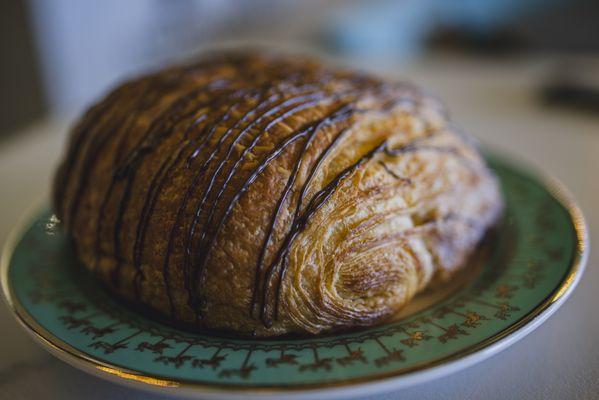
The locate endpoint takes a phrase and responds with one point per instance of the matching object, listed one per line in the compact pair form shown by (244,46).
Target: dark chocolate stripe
(160,128)
(193,185)
(198,268)
(206,243)
(236,164)
(84,130)
(99,140)
(159,179)
(181,209)
(343,111)
(317,201)
(314,205)
(165,169)
(163,124)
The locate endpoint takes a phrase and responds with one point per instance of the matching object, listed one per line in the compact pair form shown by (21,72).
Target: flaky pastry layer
(267,195)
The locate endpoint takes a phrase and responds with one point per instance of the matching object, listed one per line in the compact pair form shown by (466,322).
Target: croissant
(264,195)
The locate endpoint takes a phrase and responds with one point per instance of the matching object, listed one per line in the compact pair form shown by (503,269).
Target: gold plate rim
(113,372)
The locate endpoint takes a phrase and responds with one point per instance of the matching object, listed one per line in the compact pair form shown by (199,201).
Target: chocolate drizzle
(344,111)
(193,301)
(100,135)
(219,134)
(160,127)
(160,177)
(206,240)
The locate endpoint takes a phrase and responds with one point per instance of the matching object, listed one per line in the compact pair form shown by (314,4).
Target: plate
(533,262)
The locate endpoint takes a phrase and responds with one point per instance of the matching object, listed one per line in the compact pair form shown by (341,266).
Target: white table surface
(495,101)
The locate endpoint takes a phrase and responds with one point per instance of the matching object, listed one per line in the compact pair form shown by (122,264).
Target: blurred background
(522,76)
(59,55)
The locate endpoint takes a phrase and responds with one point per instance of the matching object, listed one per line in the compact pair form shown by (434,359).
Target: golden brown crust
(267,195)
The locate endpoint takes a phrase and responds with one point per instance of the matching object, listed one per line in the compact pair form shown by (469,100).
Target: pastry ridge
(266,195)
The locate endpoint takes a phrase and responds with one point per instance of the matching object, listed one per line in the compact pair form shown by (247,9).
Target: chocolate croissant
(265,195)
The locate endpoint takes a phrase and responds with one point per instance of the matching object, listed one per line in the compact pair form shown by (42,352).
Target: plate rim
(391,379)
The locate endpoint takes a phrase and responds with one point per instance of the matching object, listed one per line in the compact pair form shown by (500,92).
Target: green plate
(533,262)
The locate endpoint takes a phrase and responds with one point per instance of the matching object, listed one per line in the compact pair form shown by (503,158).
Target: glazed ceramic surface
(530,264)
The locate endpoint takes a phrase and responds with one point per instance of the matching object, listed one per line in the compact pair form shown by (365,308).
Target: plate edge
(442,366)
